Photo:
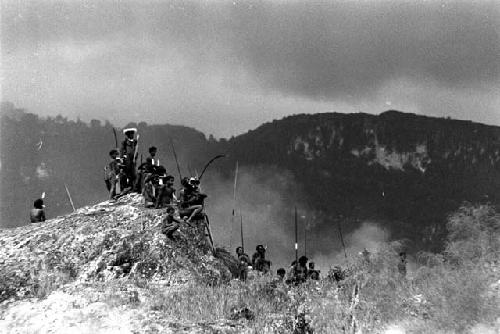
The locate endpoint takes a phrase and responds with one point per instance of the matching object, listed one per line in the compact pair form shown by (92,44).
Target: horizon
(125,124)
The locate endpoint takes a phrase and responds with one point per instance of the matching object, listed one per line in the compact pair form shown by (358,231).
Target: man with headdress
(128,154)
(192,200)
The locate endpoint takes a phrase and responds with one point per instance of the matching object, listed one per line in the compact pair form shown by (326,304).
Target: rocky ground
(89,270)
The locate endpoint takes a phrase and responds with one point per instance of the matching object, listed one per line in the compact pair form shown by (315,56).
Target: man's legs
(170,229)
(196,209)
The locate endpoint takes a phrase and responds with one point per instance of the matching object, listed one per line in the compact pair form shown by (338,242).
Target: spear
(116,139)
(241,233)
(69,196)
(176,161)
(234,201)
(341,238)
(305,239)
(136,151)
(296,241)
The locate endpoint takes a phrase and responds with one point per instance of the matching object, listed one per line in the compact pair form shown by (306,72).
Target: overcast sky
(225,67)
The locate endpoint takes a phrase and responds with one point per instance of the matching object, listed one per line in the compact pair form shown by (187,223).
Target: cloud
(216,64)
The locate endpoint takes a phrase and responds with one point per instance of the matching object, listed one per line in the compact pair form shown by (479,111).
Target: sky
(225,67)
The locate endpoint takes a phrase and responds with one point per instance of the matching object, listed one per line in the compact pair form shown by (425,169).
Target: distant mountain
(405,171)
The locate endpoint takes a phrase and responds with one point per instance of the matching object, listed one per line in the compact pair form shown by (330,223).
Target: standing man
(259,261)
(166,193)
(300,270)
(112,174)
(243,263)
(37,214)
(128,153)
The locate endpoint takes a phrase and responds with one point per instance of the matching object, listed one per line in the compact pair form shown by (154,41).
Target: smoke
(265,200)
(370,236)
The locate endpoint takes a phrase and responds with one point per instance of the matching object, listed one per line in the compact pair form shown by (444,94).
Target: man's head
(194,182)
(113,154)
(130,132)
(402,255)
(239,250)
(152,151)
(260,249)
(303,260)
(169,180)
(185,182)
(38,204)
(281,272)
(311,265)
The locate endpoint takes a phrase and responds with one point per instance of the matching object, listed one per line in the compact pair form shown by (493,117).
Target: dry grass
(452,292)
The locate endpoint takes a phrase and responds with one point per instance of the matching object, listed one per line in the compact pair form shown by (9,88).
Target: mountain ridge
(402,170)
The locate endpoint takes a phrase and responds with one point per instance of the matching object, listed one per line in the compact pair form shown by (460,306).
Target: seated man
(313,273)
(191,200)
(37,214)
(149,192)
(170,224)
(166,193)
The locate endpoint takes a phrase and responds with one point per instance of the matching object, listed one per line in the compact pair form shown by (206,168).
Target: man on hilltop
(128,154)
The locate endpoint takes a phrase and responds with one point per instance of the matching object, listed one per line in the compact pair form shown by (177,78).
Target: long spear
(176,161)
(305,239)
(296,241)
(341,238)
(69,196)
(136,151)
(234,202)
(116,139)
(241,233)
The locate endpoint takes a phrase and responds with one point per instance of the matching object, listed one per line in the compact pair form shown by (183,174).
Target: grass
(451,292)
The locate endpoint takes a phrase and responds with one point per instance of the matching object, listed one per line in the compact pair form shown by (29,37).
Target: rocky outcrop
(99,243)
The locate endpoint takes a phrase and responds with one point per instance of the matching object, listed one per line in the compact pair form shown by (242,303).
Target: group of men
(299,272)
(150,179)
(258,262)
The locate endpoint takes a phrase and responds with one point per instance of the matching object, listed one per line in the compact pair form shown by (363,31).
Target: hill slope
(106,252)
